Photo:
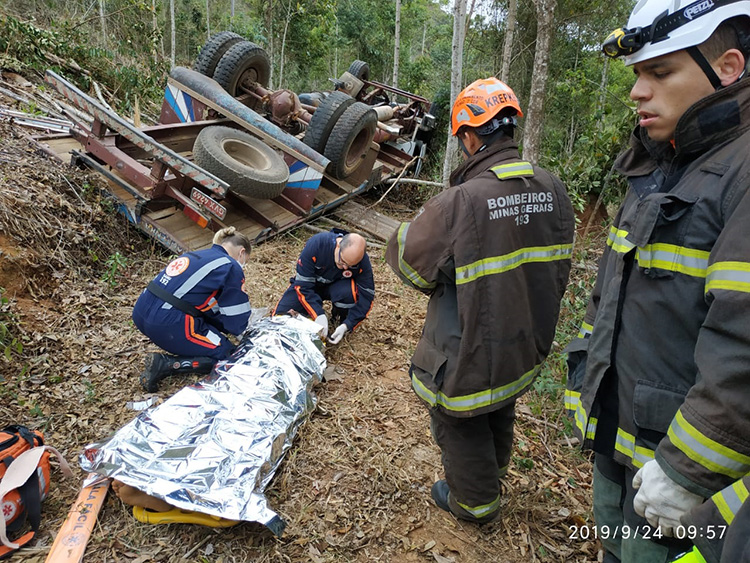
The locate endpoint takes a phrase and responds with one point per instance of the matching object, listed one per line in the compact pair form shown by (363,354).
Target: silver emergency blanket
(213,447)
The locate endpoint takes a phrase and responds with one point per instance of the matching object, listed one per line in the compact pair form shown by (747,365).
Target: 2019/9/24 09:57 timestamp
(593,532)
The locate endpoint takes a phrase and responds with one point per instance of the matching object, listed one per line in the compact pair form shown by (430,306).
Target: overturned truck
(228,151)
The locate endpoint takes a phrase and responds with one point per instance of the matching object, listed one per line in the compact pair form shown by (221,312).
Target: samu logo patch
(177,266)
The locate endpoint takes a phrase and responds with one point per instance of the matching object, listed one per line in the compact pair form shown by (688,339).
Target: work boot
(440,492)
(159,366)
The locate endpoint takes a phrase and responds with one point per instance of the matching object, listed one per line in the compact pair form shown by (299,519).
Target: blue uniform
(211,281)
(318,279)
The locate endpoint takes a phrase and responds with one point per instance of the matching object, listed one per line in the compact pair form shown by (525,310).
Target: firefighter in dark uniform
(658,382)
(493,252)
(333,267)
(190,304)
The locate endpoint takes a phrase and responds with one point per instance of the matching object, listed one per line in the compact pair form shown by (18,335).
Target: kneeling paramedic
(190,304)
(334,267)
(493,252)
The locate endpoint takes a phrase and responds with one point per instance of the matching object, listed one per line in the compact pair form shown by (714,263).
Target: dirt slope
(356,485)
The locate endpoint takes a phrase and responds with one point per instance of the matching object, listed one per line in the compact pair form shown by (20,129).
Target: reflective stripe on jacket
(667,331)
(493,252)
(210,280)
(719,527)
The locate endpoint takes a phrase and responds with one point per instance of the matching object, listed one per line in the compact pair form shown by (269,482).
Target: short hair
(733,33)
(233,236)
(346,241)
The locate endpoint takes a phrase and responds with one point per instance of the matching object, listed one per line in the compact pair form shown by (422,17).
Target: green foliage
(114,265)
(128,68)
(10,340)
(128,52)
(586,168)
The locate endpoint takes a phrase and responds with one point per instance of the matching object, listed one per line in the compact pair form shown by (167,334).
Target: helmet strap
(463,147)
(706,67)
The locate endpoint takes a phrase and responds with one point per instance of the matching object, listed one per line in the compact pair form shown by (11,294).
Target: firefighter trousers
(629,537)
(475,453)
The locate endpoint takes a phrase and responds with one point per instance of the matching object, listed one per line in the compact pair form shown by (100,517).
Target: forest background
(578,114)
(368,498)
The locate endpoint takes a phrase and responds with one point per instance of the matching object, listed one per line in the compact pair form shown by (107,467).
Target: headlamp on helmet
(623,42)
(654,31)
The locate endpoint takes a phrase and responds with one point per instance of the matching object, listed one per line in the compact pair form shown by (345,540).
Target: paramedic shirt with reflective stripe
(317,266)
(210,280)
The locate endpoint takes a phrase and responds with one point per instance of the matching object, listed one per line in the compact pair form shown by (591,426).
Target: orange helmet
(480,101)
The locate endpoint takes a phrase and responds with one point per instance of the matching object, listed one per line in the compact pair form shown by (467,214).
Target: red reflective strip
(366,314)
(206,305)
(198,339)
(305,304)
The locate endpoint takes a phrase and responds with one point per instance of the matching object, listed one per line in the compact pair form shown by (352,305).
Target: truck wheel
(360,69)
(213,50)
(244,62)
(247,164)
(350,139)
(324,118)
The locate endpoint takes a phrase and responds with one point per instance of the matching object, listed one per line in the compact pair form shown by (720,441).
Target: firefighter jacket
(719,527)
(316,267)
(210,280)
(493,252)
(667,335)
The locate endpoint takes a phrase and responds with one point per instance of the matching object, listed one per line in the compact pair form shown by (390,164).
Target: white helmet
(658,27)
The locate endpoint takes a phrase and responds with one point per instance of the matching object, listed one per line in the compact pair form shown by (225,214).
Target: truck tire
(243,62)
(360,69)
(247,164)
(350,139)
(324,118)
(213,50)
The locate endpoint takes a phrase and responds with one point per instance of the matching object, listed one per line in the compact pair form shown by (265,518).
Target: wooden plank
(324,196)
(70,542)
(368,220)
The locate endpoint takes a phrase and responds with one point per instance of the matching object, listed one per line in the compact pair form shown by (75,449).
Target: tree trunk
(208,22)
(174,33)
(532,135)
(103,22)
(424,38)
(602,94)
(510,30)
(336,50)
(397,44)
(467,17)
(289,15)
(451,147)
(269,35)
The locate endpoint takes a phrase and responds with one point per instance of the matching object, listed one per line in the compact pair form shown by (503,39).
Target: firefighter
(333,266)
(493,253)
(190,303)
(657,381)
